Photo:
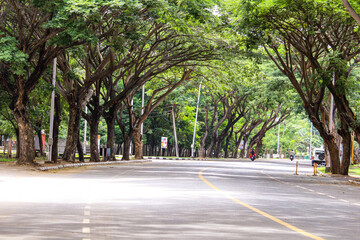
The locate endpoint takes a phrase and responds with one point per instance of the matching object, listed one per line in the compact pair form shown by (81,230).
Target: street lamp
(278,147)
(51,139)
(197,110)
(311,132)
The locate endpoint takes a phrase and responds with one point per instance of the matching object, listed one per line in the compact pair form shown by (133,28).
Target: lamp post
(85,128)
(142,108)
(51,137)
(278,147)
(196,115)
(311,132)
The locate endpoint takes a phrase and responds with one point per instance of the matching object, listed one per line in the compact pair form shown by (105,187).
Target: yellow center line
(296,229)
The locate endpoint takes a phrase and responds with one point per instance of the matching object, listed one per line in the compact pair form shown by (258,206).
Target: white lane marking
(331,196)
(86,230)
(87,213)
(86,220)
(343,200)
(88,207)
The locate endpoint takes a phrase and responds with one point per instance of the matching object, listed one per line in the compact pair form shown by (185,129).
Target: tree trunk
(57,121)
(17,143)
(138,143)
(73,132)
(237,145)
(242,153)
(26,136)
(5,146)
(80,150)
(202,144)
(218,148)
(110,122)
(258,148)
(227,143)
(210,149)
(38,132)
(126,151)
(346,136)
(334,154)
(94,147)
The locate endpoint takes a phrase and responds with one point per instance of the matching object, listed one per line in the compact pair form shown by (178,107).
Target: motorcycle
(253,157)
(291,157)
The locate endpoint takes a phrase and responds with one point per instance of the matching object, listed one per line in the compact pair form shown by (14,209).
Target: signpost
(164,141)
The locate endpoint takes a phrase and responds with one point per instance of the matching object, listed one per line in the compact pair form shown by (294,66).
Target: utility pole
(85,127)
(51,131)
(196,116)
(311,132)
(174,126)
(278,147)
(132,107)
(142,108)
(331,120)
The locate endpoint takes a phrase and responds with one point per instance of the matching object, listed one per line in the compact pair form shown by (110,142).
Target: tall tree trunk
(17,143)
(228,142)
(126,151)
(38,132)
(110,122)
(346,136)
(258,147)
(202,145)
(237,145)
(94,147)
(73,132)
(56,126)
(242,153)
(80,150)
(138,143)
(127,139)
(334,154)
(26,136)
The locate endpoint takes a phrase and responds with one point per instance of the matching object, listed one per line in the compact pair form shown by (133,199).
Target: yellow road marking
(296,229)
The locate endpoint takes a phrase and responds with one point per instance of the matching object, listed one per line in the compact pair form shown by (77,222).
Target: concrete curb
(69,165)
(353,181)
(187,159)
(165,158)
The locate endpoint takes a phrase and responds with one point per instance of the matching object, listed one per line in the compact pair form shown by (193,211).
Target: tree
(304,39)
(351,11)
(32,34)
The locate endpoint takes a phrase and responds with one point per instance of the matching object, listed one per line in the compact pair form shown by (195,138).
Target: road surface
(179,200)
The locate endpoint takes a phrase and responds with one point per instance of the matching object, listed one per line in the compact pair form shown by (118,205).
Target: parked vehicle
(318,156)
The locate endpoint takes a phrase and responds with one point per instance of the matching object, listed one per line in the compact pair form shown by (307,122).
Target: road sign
(163,142)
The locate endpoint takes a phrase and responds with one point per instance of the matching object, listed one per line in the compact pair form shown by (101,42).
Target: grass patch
(322,169)
(354,169)
(7,159)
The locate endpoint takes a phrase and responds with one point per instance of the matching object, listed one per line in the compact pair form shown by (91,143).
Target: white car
(318,156)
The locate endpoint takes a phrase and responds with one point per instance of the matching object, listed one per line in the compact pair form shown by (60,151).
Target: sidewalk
(11,166)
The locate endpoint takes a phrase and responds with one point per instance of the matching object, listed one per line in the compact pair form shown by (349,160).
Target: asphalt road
(179,200)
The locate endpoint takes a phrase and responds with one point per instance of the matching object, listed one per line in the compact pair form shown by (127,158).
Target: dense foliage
(259,66)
